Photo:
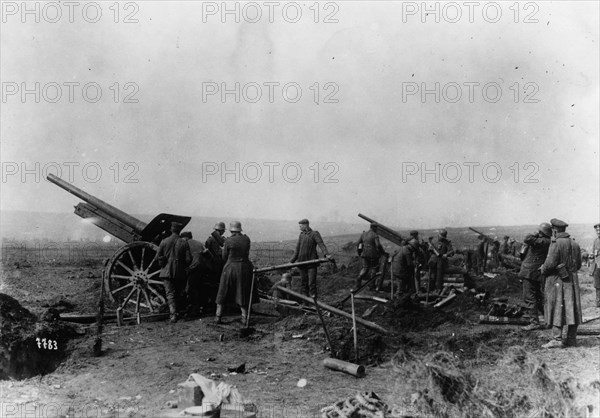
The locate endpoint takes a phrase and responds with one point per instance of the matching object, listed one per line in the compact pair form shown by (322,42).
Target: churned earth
(433,362)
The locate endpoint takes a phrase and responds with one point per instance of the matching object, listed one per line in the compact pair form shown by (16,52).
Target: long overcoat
(563,302)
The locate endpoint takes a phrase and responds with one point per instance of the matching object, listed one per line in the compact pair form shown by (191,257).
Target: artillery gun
(131,274)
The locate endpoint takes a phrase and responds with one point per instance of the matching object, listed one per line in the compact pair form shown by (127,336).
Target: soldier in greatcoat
(370,250)
(173,257)
(214,245)
(236,279)
(562,299)
(535,255)
(596,263)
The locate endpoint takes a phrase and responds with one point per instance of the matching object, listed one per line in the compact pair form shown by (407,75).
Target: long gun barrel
(383,230)
(486,237)
(118,214)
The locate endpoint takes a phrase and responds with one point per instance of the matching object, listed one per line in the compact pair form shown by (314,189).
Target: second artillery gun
(131,274)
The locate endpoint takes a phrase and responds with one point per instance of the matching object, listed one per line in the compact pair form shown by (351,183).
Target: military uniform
(306,249)
(481,256)
(563,302)
(537,250)
(237,272)
(403,269)
(370,251)
(214,245)
(173,257)
(445,250)
(596,265)
(197,277)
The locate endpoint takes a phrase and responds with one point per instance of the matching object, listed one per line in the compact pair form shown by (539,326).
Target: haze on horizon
(167,152)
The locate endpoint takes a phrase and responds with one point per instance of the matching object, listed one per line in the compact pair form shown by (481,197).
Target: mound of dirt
(28,346)
(517,384)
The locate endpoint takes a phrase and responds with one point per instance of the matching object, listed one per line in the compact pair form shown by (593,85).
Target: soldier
(444,249)
(563,303)
(596,263)
(196,276)
(173,256)
(285,281)
(306,249)
(369,249)
(214,245)
(505,246)
(481,254)
(513,247)
(535,255)
(236,279)
(403,266)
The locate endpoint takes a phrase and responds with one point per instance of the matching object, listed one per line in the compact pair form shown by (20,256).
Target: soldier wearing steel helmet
(536,251)
(236,279)
(562,298)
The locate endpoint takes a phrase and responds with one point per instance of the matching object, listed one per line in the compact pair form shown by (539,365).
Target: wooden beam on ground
(371,325)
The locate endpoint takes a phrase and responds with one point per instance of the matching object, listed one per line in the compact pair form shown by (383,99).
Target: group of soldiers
(191,271)
(548,270)
(201,276)
(407,261)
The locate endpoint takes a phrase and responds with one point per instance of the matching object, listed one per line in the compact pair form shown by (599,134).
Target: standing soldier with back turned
(173,257)
(306,249)
(214,245)
(369,249)
(236,279)
(563,303)
(535,255)
(596,263)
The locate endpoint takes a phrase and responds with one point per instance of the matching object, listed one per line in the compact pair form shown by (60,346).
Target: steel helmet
(546,229)
(235,226)
(219,226)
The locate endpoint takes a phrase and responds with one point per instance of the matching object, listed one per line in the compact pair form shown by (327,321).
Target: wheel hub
(140,279)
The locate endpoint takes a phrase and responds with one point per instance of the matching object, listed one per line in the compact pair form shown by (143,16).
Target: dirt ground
(141,366)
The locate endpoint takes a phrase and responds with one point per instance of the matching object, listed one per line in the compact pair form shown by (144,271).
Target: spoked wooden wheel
(132,278)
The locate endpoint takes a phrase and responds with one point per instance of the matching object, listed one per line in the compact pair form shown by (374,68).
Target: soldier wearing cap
(504,247)
(196,276)
(439,261)
(236,279)
(306,249)
(563,303)
(596,261)
(536,250)
(370,250)
(214,245)
(403,266)
(173,257)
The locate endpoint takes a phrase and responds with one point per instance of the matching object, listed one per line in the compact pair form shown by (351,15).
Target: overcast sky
(351,143)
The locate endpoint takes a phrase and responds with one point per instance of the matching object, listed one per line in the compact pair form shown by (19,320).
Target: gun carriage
(131,274)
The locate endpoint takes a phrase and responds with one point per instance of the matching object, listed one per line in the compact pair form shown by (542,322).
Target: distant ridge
(64,226)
